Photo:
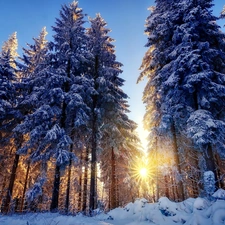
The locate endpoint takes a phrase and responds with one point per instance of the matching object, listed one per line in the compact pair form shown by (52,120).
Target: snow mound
(219,194)
(192,211)
(200,204)
(167,207)
(199,211)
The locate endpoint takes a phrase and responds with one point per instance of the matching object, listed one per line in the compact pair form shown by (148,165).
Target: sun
(143,172)
(140,170)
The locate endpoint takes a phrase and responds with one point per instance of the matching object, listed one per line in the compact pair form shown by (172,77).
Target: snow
(192,211)
(220,194)
(200,204)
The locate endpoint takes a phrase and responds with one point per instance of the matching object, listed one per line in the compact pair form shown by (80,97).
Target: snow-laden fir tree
(158,119)
(31,63)
(8,77)
(34,55)
(185,70)
(10,48)
(57,90)
(201,69)
(9,115)
(109,122)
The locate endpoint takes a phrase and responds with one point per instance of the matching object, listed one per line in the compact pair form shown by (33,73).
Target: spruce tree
(185,69)
(56,88)
(9,115)
(110,126)
(34,56)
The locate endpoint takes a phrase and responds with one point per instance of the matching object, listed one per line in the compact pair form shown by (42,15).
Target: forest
(67,143)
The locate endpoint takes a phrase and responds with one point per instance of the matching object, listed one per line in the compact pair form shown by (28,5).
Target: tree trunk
(6,204)
(166,187)
(55,192)
(3,190)
(180,187)
(173,186)
(80,184)
(219,172)
(93,194)
(25,187)
(157,169)
(85,183)
(117,192)
(113,181)
(67,204)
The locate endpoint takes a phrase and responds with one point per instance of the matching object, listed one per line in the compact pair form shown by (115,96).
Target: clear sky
(126,19)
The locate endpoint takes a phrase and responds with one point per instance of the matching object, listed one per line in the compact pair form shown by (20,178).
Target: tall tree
(57,90)
(185,68)
(9,115)
(104,73)
(159,28)
(8,79)
(108,105)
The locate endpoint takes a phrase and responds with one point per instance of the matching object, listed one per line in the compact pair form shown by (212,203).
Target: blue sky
(126,19)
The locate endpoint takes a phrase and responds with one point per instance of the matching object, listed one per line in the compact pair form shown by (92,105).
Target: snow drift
(192,211)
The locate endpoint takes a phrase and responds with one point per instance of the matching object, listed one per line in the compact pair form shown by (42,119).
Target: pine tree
(184,65)
(202,63)
(159,27)
(9,50)
(9,115)
(34,56)
(56,88)
(110,124)
(8,80)
(104,68)
(70,45)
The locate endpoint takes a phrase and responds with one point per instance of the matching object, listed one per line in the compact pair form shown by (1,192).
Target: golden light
(143,172)
(140,170)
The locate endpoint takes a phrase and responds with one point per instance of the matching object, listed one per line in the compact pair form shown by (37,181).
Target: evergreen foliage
(184,65)
(9,115)
(209,183)
(64,114)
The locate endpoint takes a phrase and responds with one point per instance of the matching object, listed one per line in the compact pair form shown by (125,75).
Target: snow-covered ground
(192,211)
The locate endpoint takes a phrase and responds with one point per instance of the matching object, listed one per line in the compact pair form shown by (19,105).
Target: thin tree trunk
(157,172)
(173,187)
(180,187)
(93,197)
(166,187)
(194,188)
(113,180)
(117,192)
(110,197)
(93,194)
(219,174)
(55,192)
(25,187)
(6,204)
(67,204)
(80,184)
(3,189)
(84,206)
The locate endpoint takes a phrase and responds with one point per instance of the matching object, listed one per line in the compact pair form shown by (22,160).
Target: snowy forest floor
(192,211)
